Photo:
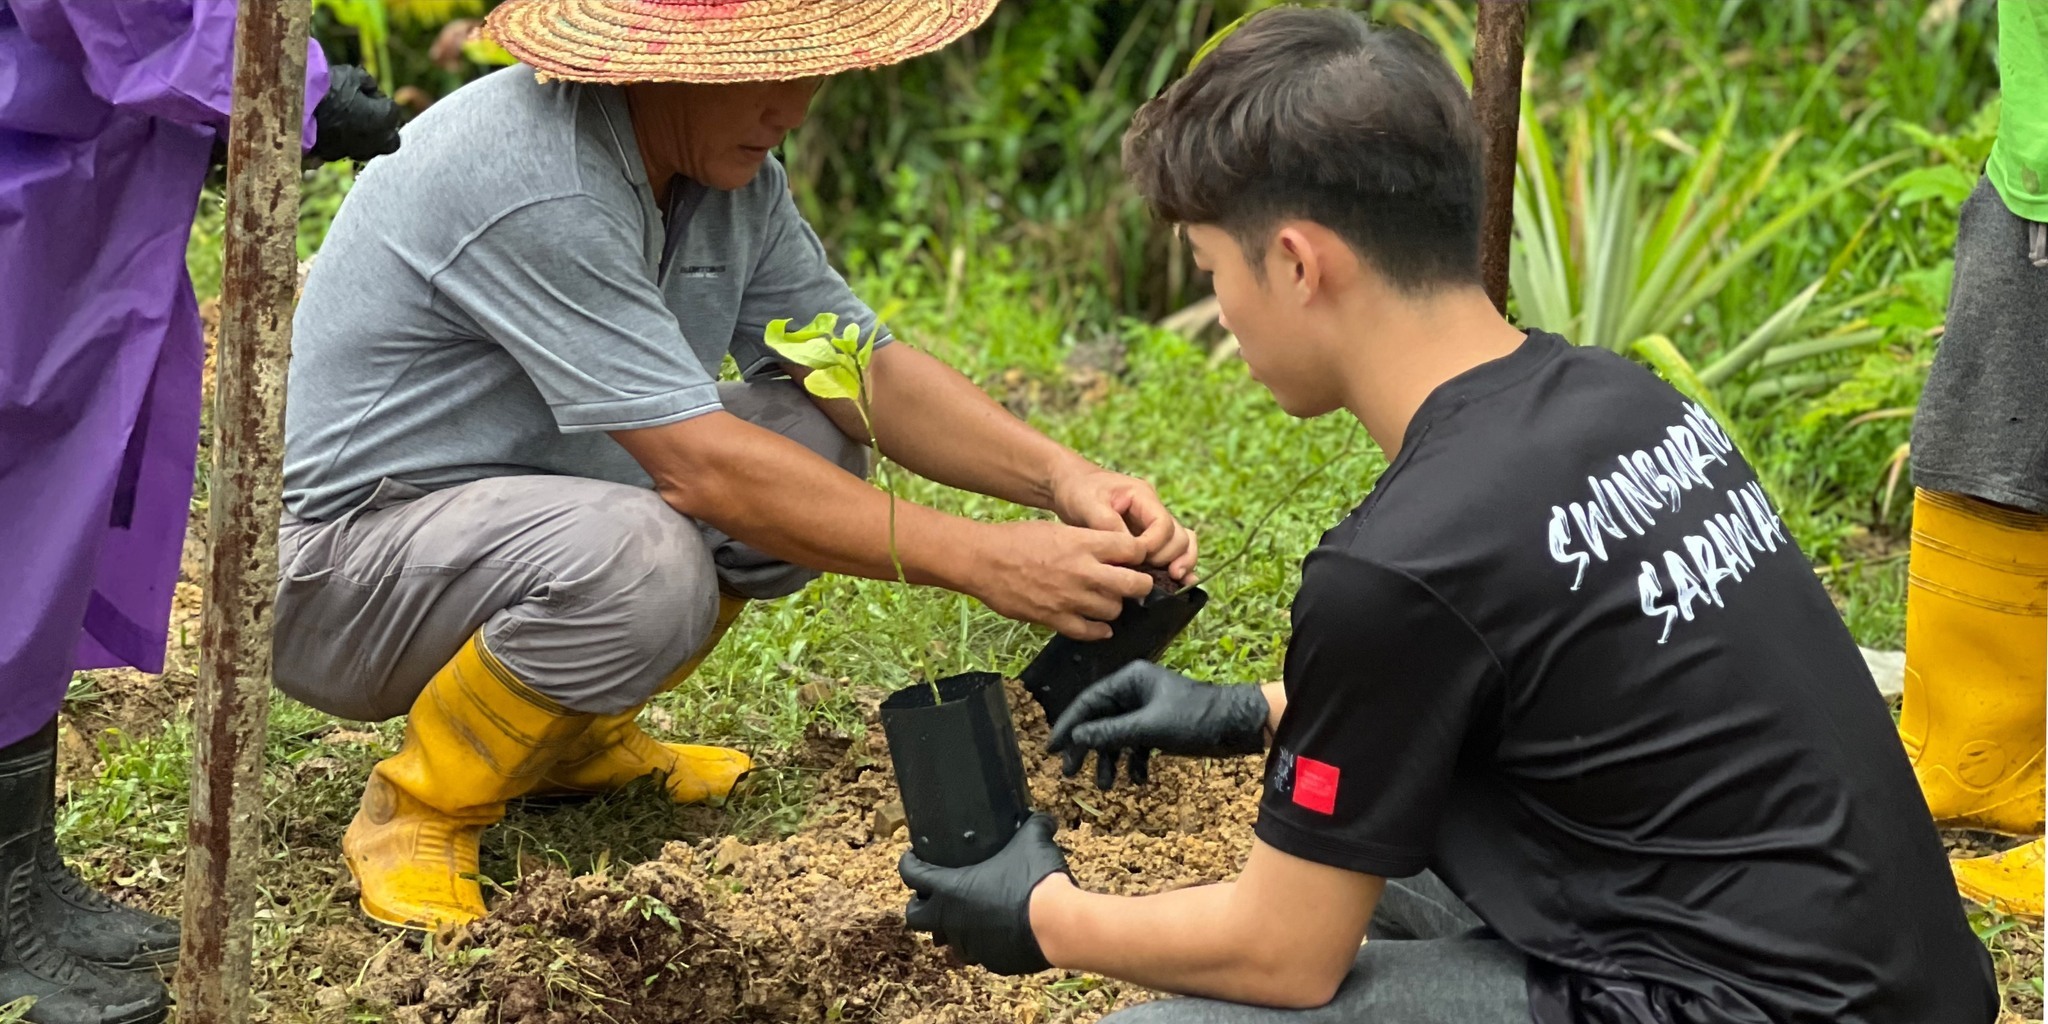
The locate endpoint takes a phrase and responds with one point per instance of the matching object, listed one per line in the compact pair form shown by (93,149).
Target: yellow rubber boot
(614,751)
(2008,882)
(1977,662)
(476,737)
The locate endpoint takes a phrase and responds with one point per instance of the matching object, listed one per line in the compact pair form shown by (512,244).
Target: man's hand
(984,911)
(1099,499)
(1066,577)
(1141,708)
(355,121)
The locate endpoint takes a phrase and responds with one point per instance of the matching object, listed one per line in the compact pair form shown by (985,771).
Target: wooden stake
(1497,101)
(258,278)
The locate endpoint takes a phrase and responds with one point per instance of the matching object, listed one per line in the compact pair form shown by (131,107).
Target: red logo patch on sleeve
(1315,785)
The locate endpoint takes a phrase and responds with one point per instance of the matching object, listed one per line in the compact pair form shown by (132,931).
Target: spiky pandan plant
(1606,261)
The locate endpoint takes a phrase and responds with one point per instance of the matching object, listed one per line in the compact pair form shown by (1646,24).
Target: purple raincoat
(108,112)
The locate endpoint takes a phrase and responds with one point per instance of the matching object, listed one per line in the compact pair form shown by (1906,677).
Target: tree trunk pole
(258,278)
(1497,100)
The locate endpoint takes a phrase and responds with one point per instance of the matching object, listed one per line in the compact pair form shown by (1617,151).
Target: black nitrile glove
(1141,708)
(983,911)
(355,121)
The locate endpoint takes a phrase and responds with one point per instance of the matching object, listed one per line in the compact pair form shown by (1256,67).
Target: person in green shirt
(1977,607)
(2019,160)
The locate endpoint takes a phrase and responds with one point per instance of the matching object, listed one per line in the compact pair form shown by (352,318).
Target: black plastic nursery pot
(1142,632)
(957,766)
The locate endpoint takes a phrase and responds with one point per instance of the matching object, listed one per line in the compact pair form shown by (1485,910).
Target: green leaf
(833,382)
(778,332)
(1749,349)
(483,51)
(1949,185)
(820,326)
(812,346)
(815,353)
(1906,313)
(1829,344)
(848,340)
(1762,238)
(1664,357)
(1793,383)
(1216,40)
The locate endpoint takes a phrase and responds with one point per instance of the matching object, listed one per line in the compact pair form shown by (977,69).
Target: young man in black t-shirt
(1569,728)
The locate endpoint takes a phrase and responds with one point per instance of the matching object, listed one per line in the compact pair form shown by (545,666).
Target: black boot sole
(160,962)
(155,1016)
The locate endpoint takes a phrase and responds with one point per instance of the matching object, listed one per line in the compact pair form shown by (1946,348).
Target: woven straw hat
(623,41)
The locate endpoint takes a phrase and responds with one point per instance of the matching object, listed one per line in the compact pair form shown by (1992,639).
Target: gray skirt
(1982,428)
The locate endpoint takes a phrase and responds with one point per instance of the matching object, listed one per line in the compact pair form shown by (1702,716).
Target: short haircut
(1319,114)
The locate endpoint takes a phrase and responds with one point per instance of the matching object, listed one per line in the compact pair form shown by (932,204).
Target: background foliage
(1770,184)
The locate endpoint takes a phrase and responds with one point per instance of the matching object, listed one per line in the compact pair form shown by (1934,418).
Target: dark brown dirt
(810,927)
(1163,583)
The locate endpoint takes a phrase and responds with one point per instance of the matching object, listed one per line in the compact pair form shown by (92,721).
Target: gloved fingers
(922,878)
(1083,709)
(380,134)
(1141,766)
(1111,733)
(1039,827)
(1105,768)
(1071,761)
(922,915)
(1113,695)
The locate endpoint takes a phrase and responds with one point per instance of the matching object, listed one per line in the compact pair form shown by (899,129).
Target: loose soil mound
(810,928)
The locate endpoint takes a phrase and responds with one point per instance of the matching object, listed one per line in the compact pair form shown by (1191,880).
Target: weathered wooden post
(258,277)
(1497,99)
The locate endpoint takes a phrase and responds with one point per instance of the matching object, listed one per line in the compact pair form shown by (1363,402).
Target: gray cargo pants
(1427,960)
(591,592)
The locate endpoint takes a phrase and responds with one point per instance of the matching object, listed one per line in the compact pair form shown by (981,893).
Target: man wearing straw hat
(520,502)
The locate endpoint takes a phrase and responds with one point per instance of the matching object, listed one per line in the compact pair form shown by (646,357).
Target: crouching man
(520,502)
(1569,731)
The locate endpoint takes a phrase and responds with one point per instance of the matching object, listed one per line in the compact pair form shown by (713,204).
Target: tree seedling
(838,359)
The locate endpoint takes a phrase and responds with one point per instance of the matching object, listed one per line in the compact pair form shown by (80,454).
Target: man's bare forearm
(776,495)
(1188,941)
(1283,933)
(936,423)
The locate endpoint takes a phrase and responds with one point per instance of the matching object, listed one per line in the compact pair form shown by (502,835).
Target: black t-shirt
(1566,655)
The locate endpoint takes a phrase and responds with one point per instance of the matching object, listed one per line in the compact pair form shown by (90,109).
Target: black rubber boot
(65,988)
(85,923)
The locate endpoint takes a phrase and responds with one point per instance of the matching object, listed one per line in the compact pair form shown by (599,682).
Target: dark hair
(1320,114)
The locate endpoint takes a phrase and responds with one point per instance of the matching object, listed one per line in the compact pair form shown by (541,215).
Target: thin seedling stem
(1350,444)
(888,481)
(860,403)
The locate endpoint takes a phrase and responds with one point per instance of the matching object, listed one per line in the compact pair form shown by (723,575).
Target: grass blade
(1748,349)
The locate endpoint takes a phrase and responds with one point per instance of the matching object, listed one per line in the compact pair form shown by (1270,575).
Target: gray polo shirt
(502,291)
